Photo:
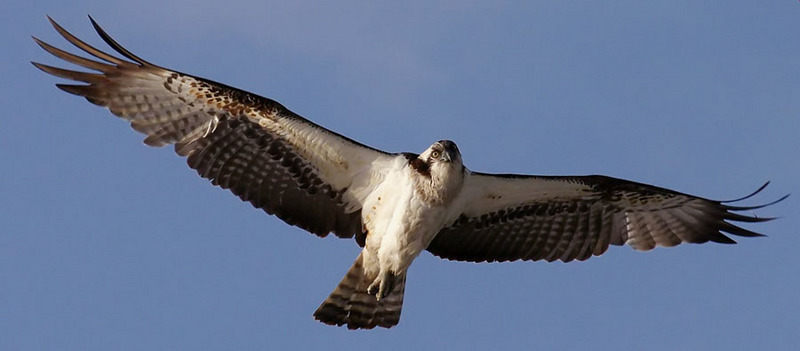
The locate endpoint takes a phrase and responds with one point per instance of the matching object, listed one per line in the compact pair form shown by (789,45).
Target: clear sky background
(107,244)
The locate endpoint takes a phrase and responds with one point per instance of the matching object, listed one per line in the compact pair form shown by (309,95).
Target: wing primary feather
(720,238)
(742,218)
(736,230)
(75,59)
(80,90)
(69,74)
(745,208)
(86,47)
(748,196)
(118,48)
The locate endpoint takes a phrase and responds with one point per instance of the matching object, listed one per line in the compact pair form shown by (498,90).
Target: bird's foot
(382,285)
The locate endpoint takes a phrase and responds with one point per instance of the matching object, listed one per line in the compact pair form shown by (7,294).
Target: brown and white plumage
(280,162)
(514,217)
(395,205)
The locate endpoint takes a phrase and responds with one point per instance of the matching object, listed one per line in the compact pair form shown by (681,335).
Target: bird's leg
(382,285)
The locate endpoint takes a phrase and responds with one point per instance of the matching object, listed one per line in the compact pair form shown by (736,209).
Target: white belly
(399,224)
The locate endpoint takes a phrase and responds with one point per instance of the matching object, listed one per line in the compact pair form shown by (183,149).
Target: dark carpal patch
(418,164)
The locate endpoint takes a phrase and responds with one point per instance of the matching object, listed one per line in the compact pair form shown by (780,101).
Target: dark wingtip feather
(721,238)
(736,208)
(748,196)
(748,219)
(116,46)
(745,208)
(736,230)
(729,215)
(79,90)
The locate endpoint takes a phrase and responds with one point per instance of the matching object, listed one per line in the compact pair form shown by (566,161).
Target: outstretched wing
(265,154)
(511,217)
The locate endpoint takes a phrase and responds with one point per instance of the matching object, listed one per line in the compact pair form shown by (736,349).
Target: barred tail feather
(350,304)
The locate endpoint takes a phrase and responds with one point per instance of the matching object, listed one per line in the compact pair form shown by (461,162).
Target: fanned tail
(350,303)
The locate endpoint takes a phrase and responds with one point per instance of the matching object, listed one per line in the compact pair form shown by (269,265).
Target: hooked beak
(448,156)
(449,150)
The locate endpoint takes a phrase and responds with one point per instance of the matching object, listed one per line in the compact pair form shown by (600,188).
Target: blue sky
(109,244)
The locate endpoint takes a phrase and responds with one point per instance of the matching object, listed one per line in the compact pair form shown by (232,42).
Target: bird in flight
(395,205)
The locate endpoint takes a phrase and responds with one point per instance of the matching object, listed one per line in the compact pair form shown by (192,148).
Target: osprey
(394,205)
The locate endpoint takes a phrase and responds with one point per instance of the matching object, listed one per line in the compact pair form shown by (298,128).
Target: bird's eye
(435,154)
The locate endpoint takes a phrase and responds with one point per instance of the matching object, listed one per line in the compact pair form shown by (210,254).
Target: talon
(383,291)
(381,286)
(373,288)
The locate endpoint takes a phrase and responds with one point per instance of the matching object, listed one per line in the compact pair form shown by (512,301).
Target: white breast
(399,224)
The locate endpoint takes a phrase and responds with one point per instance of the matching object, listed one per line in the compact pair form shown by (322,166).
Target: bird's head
(441,170)
(442,152)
